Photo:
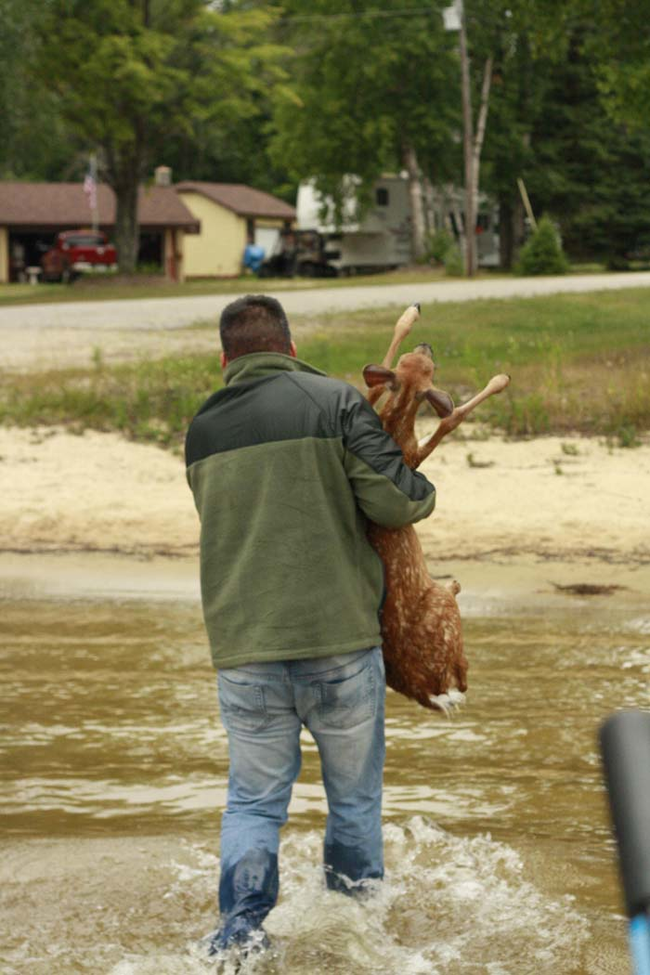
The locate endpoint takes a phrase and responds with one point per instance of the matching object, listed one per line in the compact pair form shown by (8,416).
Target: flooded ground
(498,853)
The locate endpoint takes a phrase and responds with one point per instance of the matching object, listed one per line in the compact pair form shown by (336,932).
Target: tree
(590,172)
(375,91)
(620,46)
(543,253)
(131,75)
(34,142)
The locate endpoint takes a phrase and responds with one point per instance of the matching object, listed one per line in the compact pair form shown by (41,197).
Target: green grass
(578,363)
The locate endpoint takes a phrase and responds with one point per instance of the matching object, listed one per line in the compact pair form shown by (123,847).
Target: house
(231,215)
(31,214)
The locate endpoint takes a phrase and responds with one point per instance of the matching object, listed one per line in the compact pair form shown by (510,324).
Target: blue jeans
(340,699)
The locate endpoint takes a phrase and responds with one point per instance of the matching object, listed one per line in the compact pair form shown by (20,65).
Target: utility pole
(454,19)
(468,149)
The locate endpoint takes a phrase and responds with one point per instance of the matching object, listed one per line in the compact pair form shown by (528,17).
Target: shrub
(438,245)
(454,266)
(543,253)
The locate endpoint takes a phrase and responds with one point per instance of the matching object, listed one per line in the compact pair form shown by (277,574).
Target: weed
(97,358)
(627,436)
(570,449)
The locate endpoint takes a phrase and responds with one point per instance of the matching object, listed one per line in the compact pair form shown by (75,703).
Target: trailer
(376,240)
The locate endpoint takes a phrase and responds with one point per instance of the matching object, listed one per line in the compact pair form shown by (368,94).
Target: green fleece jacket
(286,466)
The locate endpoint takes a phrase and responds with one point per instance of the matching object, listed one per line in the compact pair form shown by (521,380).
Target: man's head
(255,323)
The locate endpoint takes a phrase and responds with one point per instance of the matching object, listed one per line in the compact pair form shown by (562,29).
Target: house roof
(60,205)
(242,199)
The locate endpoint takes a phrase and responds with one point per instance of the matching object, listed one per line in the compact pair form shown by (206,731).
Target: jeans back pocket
(347,701)
(243,706)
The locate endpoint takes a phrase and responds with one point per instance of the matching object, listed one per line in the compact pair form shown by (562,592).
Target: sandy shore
(553,498)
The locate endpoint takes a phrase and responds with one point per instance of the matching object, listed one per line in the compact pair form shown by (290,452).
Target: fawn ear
(442,402)
(379,376)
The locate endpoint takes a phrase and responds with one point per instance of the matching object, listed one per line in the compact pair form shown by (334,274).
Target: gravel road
(169,313)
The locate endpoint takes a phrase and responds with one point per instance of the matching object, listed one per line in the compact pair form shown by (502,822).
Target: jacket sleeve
(387,491)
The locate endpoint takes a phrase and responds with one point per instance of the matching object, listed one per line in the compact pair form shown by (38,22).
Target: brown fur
(421,624)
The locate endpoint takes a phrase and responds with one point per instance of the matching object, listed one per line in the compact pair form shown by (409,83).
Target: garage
(33,214)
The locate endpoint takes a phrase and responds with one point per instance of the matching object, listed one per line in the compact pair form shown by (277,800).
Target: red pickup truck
(75,251)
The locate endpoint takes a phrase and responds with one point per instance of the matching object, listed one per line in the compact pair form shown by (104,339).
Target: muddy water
(114,768)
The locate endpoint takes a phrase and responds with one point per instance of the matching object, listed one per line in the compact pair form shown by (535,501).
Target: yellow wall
(4,255)
(219,249)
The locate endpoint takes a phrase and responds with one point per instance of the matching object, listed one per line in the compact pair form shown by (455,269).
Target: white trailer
(380,238)
(377,240)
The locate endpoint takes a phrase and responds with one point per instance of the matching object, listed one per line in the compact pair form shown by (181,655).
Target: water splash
(449,905)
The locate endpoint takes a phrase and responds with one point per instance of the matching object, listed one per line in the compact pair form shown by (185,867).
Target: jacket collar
(257,365)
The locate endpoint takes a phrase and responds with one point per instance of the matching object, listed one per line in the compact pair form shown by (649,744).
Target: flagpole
(93,171)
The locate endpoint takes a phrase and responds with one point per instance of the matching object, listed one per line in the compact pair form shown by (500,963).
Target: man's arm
(387,491)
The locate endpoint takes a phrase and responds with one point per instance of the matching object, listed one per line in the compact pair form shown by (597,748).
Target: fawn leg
(425,447)
(402,329)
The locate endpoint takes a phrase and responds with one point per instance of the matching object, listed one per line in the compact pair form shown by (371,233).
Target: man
(286,465)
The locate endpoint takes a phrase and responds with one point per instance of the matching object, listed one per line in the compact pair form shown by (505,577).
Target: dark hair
(255,323)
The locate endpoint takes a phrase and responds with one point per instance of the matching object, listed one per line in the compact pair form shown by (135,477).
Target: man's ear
(293,352)
(379,376)
(224,361)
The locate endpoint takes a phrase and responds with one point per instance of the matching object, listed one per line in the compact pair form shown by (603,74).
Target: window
(381,196)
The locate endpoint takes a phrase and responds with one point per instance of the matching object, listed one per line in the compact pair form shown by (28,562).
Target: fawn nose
(424,349)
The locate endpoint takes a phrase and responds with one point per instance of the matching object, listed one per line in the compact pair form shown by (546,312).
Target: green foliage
(454,266)
(543,253)
(131,75)
(366,85)
(619,50)
(585,169)
(438,246)
(34,141)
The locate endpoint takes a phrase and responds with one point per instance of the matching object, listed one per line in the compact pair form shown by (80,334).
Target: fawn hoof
(448,703)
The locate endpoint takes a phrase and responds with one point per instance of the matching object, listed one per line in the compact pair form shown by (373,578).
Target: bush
(438,245)
(454,266)
(543,253)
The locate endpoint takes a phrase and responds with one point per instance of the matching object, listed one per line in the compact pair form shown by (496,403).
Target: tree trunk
(418,227)
(472,145)
(430,207)
(468,141)
(506,233)
(477,146)
(126,224)
(518,227)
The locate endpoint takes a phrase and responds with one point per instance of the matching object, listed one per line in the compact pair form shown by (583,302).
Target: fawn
(421,624)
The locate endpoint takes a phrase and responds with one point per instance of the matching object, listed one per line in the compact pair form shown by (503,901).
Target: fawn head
(411,382)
